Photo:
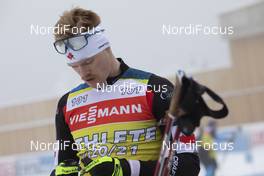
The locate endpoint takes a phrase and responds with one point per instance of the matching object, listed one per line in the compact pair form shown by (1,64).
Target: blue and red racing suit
(122,118)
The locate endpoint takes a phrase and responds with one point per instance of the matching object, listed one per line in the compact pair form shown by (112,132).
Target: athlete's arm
(63,135)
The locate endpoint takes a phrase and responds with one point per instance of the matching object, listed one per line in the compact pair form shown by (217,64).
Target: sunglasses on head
(75,42)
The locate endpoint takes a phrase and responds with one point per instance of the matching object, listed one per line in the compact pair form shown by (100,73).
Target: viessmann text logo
(94,113)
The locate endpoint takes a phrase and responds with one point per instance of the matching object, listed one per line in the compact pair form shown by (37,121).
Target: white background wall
(31,69)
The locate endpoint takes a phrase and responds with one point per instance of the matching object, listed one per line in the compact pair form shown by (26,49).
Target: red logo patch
(70,56)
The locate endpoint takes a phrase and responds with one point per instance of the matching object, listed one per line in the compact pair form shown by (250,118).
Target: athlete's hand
(105,166)
(67,168)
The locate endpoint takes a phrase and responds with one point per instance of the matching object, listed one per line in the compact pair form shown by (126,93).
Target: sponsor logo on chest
(94,112)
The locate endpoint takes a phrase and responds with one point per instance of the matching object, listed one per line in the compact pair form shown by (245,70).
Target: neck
(115,67)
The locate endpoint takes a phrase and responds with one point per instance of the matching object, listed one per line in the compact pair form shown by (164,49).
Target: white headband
(96,43)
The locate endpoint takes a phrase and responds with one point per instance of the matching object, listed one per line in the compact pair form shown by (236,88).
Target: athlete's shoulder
(152,78)
(158,80)
(136,74)
(79,87)
(63,100)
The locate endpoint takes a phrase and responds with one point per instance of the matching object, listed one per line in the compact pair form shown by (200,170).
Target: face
(94,70)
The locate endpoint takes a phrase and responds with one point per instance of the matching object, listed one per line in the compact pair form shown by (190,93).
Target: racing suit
(122,118)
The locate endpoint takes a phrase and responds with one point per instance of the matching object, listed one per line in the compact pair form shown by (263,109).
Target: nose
(83,71)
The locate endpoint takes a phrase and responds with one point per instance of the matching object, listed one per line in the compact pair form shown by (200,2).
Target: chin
(94,84)
(91,84)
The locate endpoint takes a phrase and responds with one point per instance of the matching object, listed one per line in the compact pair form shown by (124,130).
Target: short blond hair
(76,18)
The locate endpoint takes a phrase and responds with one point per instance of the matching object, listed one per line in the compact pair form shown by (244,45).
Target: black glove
(67,168)
(105,166)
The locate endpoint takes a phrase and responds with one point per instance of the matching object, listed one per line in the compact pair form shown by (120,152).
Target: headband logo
(70,55)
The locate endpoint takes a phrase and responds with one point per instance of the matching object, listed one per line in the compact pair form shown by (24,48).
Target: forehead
(88,60)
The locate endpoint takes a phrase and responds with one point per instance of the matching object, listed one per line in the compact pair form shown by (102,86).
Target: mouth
(89,79)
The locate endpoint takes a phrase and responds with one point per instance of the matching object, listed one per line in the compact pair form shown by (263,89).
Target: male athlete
(114,112)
